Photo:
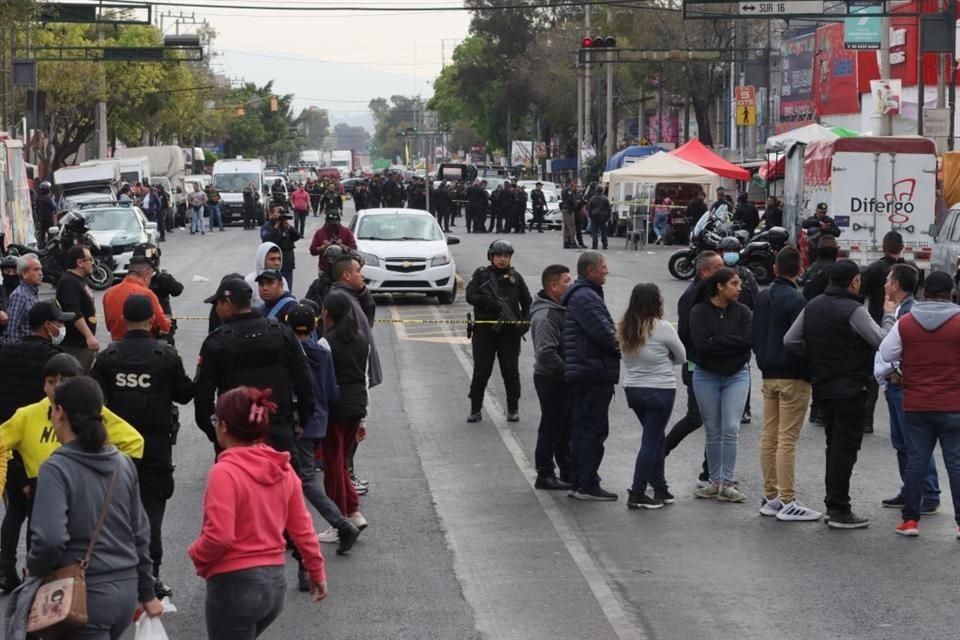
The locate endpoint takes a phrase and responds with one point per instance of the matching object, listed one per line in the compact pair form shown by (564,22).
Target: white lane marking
(608,599)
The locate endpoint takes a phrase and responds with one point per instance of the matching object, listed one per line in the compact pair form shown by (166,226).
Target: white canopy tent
(810,133)
(663,168)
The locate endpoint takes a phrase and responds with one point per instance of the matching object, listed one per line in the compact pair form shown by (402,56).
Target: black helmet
(331,217)
(149,251)
(333,252)
(729,244)
(9,262)
(45,187)
(499,248)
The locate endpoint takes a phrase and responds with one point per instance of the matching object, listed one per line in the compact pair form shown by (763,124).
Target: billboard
(835,80)
(797,104)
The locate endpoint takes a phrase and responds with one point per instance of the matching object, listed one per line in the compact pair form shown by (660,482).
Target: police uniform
(141,378)
(250,350)
(497,341)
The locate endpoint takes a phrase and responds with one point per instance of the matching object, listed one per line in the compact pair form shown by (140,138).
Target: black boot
(348,533)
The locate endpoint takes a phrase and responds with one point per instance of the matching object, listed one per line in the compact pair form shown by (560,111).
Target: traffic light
(598,42)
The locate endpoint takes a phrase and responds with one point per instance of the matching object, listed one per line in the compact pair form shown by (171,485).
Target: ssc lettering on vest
(133,380)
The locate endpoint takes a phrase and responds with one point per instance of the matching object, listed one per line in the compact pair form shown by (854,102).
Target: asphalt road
(461,546)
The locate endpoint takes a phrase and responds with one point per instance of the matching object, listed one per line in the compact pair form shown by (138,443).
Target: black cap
(269,274)
(137,308)
(231,288)
(937,283)
(47,312)
(62,364)
(147,250)
(842,272)
(822,206)
(301,318)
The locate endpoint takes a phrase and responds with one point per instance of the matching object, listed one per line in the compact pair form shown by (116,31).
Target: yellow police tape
(400,320)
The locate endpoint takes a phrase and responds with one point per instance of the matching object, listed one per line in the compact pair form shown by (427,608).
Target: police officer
(250,350)
(141,378)
(538,200)
(498,293)
(46,211)
(163,284)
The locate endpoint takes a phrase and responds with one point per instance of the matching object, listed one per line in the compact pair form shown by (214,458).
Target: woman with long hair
(651,349)
(72,489)
(721,332)
(350,349)
(253,495)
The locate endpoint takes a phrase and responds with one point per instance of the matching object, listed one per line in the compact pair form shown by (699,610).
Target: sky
(339,60)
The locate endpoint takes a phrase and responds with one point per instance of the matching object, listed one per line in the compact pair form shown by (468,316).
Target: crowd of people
(822,339)
(281,390)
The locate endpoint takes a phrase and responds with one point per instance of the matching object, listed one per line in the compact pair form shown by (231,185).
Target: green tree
(351,137)
(314,125)
(393,119)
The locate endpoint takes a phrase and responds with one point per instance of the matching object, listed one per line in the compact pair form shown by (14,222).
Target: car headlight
(369,259)
(440,259)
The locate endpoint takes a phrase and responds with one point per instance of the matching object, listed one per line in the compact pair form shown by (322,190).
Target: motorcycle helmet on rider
(729,249)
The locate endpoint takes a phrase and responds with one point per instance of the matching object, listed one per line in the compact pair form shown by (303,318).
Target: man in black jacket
(820,225)
(708,263)
(539,202)
(600,211)
(786,390)
(476,208)
(746,214)
(773,214)
(23,363)
(872,288)
(839,339)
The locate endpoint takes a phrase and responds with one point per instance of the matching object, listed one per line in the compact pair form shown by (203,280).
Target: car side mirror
(150,226)
(453,240)
(933,231)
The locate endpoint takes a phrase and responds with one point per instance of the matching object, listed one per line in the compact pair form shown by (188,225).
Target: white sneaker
(794,511)
(730,493)
(358,520)
(770,507)
(329,535)
(710,491)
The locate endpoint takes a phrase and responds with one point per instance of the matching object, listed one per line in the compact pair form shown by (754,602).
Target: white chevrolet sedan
(405,251)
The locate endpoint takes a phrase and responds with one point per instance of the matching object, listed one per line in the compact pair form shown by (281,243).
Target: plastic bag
(147,628)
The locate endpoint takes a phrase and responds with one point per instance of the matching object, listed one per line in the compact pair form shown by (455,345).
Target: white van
(231,177)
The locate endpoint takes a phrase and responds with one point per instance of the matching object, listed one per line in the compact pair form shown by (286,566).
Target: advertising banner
(836,74)
(887,95)
(797,104)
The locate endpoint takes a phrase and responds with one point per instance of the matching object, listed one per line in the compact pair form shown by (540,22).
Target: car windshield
(114,219)
(234,182)
(398,227)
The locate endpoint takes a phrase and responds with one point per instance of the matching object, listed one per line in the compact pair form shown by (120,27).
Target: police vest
(138,385)
(252,353)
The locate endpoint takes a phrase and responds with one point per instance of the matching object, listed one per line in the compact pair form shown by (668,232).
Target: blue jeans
(653,408)
(588,432)
(660,224)
(900,437)
(926,428)
(216,216)
(598,226)
(196,220)
(721,400)
(242,604)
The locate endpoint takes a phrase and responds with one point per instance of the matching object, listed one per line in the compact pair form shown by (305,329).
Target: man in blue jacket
(591,367)
(786,390)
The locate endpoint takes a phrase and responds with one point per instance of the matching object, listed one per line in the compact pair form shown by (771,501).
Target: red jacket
(325,237)
(930,365)
(252,495)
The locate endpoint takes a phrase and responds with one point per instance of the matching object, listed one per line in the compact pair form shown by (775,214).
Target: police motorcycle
(760,252)
(72,231)
(707,233)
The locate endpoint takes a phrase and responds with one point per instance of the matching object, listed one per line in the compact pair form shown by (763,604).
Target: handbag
(61,601)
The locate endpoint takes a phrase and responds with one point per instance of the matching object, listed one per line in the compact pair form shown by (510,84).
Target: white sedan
(120,227)
(405,251)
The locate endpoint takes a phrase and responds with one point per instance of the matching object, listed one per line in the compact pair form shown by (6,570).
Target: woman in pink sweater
(252,496)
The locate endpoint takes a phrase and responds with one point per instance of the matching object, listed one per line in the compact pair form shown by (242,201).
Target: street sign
(784,8)
(863,31)
(746,95)
(746,115)
(936,123)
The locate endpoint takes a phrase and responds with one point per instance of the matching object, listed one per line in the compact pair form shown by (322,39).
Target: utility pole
(586,81)
(579,122)
(885,127)
(101,112)
(610,124)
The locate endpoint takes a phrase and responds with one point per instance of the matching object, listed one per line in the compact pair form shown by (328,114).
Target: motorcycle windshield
(701,224)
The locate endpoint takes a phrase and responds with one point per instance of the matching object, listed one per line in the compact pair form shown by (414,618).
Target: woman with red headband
(252,496)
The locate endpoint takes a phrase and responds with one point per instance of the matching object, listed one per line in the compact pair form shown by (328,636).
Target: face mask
(59,336)
(730,258)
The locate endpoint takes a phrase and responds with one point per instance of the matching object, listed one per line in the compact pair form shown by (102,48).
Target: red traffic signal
(598,42)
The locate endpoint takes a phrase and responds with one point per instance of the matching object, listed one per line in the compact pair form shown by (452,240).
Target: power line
(381,8)
(318,61)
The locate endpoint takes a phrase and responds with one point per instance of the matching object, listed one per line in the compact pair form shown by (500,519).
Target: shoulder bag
(61,601)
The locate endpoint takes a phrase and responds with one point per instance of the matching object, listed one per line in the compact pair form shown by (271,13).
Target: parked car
(405,251)
(946,246)
(120,227)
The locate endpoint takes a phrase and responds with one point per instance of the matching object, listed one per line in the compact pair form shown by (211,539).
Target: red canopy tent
(694,151)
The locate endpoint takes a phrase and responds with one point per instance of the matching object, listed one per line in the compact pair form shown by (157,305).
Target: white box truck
(231,177)
(166,166)
(871,185)
(92,181)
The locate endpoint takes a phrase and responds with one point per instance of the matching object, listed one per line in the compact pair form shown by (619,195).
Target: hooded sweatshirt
(325,389)
(258,264)
(64,518)
(252,496)
(926,342)
(546,328)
